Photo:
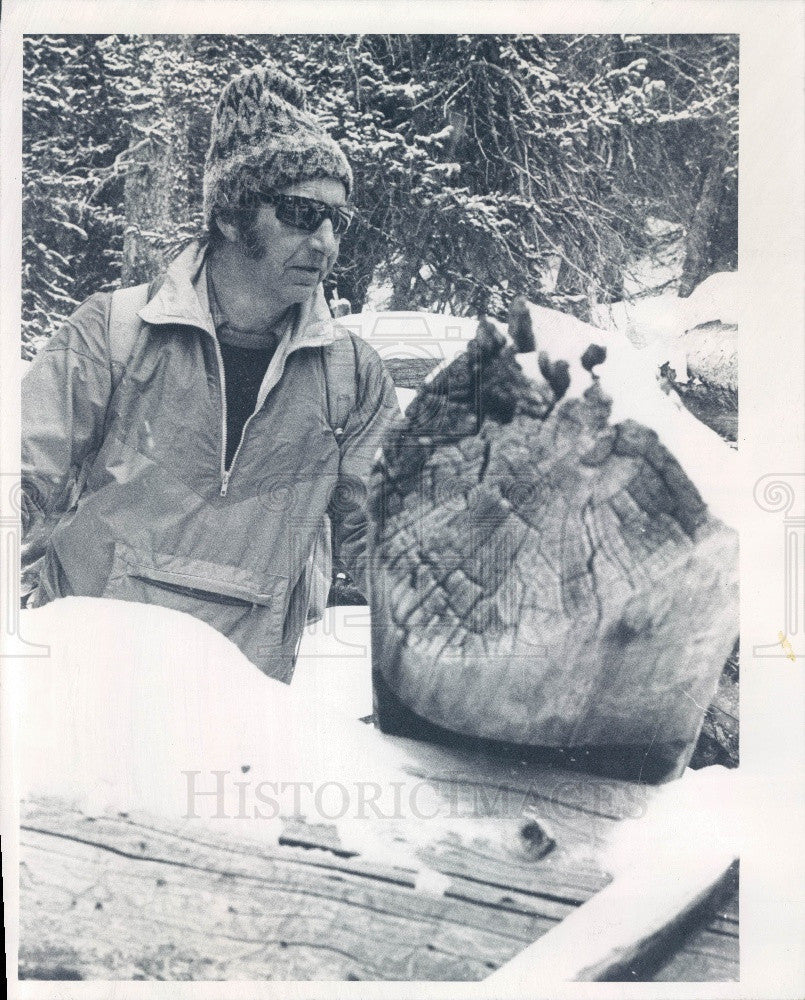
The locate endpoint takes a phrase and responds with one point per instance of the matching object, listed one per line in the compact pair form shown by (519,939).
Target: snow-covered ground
(136,707)
(334,663)
(696,336)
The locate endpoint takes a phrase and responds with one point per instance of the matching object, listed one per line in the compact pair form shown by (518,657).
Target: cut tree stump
(540,575)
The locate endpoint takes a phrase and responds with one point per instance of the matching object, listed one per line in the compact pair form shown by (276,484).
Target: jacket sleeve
(375,412)
(65,394)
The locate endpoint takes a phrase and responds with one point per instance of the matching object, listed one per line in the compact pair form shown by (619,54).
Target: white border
(772,437)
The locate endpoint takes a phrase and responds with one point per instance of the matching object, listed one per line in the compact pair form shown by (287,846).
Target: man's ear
(227,228)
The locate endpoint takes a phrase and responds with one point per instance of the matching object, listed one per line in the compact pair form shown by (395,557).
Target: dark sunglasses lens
(291,213)
(308,215)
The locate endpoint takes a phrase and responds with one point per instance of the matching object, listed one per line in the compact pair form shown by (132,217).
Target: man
(184,443)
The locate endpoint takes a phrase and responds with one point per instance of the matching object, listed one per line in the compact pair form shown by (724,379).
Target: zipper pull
(225,482)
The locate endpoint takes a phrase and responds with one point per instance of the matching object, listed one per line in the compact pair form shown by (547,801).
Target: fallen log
(128,874)
(548,566)
(664,874)
(711,391)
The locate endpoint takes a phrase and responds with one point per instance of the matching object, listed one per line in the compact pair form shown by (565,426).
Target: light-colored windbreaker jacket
(125,494)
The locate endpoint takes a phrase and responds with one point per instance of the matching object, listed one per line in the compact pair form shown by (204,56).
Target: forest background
(486,166)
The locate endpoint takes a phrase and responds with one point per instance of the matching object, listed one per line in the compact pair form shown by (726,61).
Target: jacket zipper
(226,474)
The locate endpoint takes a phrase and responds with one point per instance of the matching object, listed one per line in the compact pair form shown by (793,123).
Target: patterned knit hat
(263,138)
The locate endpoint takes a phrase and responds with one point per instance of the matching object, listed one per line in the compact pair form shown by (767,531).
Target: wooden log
(711,393)
(130,897)
(133,897)
(117,883)
(541,575)
(623,929)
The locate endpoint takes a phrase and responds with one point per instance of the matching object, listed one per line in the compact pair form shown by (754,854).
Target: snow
(716,298)
(333,662)
(658,323)
(652,325)
(709,800)
(132,696)
(135,706)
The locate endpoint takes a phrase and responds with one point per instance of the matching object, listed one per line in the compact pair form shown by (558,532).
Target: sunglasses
(308,214)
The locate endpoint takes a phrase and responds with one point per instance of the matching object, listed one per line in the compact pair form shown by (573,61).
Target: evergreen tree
(74,129)
(485,166)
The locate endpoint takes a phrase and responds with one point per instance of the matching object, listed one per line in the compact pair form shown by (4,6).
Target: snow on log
(550,564)
(139,709)
(660,324)
(695,340)
(136,707)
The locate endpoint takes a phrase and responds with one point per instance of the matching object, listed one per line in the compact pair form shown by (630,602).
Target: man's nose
(324,238)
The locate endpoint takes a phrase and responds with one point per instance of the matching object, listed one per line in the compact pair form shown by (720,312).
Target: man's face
(289,262)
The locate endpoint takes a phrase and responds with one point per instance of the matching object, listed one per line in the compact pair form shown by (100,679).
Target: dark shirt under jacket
(246,355)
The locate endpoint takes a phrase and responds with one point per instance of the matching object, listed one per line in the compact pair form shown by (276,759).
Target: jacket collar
(181,299)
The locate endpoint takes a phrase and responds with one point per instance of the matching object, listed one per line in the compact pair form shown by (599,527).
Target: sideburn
(254,248)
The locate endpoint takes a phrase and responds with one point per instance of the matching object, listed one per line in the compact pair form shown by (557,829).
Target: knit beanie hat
(263,138)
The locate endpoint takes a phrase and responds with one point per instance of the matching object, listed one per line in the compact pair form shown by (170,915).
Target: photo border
(771,437)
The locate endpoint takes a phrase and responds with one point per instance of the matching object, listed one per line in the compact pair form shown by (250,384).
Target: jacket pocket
(194,586)
(249,613)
